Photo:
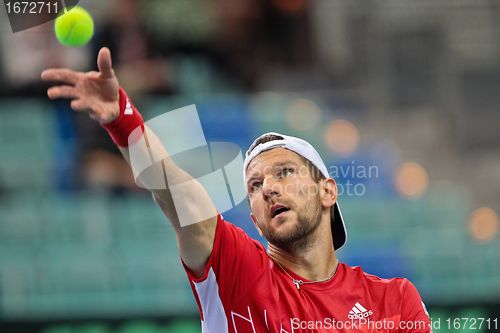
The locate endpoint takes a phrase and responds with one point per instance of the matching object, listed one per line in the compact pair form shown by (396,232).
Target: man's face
(284,199)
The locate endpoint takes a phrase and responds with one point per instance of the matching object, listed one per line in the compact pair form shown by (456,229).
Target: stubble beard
(303,234)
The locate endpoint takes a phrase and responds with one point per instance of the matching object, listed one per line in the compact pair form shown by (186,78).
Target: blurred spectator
(27,53)
(136,54)
(256,39)
(241,41)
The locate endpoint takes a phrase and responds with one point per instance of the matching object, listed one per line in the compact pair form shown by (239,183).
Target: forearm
(182,198)
(191,199)
(188,208)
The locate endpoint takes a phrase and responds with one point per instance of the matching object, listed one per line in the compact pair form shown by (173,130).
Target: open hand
(95,92)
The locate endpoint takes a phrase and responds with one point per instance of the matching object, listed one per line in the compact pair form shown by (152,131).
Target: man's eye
(255,186)
(286,172)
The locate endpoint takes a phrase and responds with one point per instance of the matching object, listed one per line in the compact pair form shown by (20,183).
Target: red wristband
(128,120)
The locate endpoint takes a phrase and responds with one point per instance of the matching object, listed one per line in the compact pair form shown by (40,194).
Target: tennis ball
(75,27)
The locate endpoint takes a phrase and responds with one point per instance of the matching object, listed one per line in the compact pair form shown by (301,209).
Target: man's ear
(254,219)
(328,192)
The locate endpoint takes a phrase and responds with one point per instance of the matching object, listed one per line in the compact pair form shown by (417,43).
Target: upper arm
(236,261)
(194,241)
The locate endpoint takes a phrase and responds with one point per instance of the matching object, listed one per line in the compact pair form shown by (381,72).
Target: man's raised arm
(100,95)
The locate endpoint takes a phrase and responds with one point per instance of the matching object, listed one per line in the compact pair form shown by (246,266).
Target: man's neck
(315,262)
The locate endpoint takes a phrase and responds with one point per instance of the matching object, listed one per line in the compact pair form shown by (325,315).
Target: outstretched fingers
(63,75)
(104,63)
(62,92)
(79,105)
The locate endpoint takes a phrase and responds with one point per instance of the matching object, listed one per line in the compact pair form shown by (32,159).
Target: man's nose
(270,187)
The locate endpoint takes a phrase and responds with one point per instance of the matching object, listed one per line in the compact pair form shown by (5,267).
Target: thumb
(104,63)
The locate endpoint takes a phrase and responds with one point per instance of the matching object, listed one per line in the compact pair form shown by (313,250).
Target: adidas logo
(359,312)
(128,108)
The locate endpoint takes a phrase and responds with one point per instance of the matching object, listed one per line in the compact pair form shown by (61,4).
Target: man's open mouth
(278,209)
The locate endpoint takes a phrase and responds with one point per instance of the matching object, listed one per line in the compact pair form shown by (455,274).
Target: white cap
(306,150)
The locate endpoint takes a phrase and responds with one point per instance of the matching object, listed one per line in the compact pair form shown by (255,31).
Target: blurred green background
(400,97)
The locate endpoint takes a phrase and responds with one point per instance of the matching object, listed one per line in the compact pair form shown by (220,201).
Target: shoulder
(392,297)
(232,241)
(396,285)
(227,229)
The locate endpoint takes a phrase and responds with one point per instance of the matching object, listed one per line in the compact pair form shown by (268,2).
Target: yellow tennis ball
(75,27)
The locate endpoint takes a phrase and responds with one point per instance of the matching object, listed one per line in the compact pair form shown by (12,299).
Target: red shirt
(243,290)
